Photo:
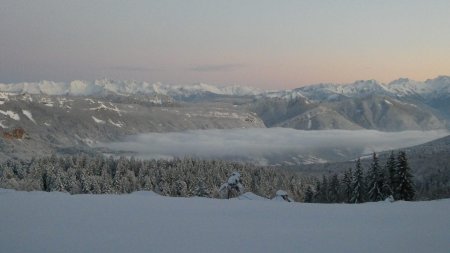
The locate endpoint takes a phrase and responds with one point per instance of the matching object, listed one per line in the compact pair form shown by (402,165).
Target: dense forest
(189,177)
(179,177)
(394,181)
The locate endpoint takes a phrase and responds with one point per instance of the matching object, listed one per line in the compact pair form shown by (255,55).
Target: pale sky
(267,44)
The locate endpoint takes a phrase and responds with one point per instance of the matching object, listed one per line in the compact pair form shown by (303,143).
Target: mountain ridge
(102,87)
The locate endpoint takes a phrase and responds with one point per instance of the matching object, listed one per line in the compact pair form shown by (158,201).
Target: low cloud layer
(217,67)
(133,68)
(265,144)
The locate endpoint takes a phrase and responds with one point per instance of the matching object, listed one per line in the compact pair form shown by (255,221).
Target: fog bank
(264,144)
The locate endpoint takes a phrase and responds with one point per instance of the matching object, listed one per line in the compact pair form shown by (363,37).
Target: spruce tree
(391,167)
(405,188)
(333,192)
(375,180)
(309,195)
(386,188)
(201,189)
(325,190)
(347,182)
(317,198)
(232,187)
(358,189)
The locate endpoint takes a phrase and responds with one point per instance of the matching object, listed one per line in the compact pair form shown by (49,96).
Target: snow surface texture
(262,144)
(145,222)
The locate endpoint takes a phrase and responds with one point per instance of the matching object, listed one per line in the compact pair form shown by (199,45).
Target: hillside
(430,164)
(55,123)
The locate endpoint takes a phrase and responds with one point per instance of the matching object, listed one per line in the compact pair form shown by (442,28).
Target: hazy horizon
(264,44)
(220,84)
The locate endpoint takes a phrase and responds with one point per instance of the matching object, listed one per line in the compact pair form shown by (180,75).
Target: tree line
(178,177)
(188,177)
(377,183)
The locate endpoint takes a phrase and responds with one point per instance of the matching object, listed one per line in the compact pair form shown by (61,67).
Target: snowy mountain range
(104,87)
(402,87)
(53,116)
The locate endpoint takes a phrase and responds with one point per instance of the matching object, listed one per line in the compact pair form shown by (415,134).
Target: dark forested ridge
(376,180)
(179,177)
(429,162)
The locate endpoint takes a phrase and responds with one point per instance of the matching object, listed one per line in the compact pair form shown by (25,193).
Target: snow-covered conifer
(375,180)
(334,193)
(281,195)
(405,188)
(233,187)
(391,167)
(358,187)
(347,182)
(309,194)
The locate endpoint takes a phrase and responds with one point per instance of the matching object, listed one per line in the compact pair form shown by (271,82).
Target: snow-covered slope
(58,222)
(399,105)
(55,122)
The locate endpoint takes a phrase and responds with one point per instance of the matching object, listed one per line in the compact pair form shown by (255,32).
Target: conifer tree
(201,189)
(309,194)
(316,197)
(324,196)
(391,166)
(375,180)
(106,181)
(347,182)
(405,188)
(233,187)
(334,195)
(386,188)
(358,189)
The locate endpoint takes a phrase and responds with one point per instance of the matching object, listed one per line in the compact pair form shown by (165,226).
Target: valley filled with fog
(268,146)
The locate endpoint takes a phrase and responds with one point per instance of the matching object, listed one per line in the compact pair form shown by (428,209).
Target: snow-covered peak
(318,92)
(241,90)
(106,86)
(331,91)
(440,84)
(430,88)
(407,87)
(399,88)
(358,88)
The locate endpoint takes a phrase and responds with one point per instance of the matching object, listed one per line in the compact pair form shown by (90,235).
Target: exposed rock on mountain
(16,133)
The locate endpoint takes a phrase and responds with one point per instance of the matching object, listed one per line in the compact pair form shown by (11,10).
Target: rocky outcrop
(16,133)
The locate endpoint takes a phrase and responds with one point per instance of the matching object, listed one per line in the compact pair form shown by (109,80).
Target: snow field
(28,115)
(146,222)
(11,114)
